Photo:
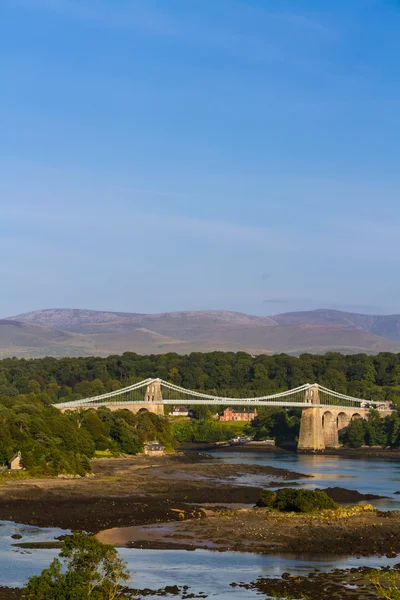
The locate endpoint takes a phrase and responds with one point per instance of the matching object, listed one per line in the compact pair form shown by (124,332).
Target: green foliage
(209,431)
(90,571)
(374,431)
(52,443)
(276,423)
(355,434)
(294,500)
(386,584)
(267,499)
(228,373)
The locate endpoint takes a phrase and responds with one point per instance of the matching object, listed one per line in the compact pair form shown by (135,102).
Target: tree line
(226,373)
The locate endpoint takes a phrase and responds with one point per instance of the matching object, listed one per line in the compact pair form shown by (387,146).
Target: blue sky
(190,154)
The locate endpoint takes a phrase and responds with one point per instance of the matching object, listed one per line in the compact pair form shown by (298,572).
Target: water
(212,572)
(368,476)
(202,570)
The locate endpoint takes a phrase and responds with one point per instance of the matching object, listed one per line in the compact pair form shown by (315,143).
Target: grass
(103,454)
(11,475)
(238,426)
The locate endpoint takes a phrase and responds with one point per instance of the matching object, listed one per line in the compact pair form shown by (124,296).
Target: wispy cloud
(355,242)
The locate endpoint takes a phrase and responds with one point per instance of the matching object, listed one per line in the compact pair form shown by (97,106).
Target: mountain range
(76,332)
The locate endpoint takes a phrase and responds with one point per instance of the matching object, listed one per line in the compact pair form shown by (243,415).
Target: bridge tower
(319,426)
(311,435)
(153,391)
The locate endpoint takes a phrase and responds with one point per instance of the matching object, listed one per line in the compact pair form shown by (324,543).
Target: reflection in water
(368,476)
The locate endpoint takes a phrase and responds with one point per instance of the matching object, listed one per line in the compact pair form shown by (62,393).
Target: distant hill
(386,326)
(19,338)
(79,332)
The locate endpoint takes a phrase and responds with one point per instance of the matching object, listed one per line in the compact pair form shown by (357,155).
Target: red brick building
(238,415)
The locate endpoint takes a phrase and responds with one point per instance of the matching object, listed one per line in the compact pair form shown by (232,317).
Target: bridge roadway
(325,413)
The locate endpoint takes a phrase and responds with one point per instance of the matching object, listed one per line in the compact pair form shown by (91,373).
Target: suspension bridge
(324,412)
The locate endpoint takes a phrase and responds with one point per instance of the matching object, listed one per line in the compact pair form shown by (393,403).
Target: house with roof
(15,464)
(154,448)
(238,415)
(180,411)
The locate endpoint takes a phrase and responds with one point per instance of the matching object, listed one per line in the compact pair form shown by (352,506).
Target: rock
(339,494)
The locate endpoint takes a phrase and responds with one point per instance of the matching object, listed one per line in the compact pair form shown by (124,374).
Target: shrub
(293,500)
(267,499)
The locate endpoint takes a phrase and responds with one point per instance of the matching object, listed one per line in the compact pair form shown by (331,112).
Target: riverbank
(187,502)
(360,532)
(190,502)
(352,584)
(7,593)
(135,491)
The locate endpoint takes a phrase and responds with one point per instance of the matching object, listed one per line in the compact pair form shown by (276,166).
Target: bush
(267,499)
(292,500)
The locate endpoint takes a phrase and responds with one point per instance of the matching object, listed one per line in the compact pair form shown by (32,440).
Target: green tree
(90,571)
(355,434)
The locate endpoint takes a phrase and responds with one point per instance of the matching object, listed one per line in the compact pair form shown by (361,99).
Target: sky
(175,155)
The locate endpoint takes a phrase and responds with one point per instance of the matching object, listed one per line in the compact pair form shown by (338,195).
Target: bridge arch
(356,416)
(330,429)
(343,419)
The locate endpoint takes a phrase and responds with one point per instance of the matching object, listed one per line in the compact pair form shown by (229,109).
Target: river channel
(212,572)
(366,475)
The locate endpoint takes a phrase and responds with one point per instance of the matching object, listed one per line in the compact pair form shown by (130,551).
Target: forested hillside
(232,374)
(53,443)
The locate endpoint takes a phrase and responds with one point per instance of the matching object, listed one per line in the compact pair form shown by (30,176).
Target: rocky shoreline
(356,532)
(184,501)
(352,584)
(135,491)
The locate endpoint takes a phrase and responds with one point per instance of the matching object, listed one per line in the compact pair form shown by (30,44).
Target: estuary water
(367,476)
(213,572)
(202,570)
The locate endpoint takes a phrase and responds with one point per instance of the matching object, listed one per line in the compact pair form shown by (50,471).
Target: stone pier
(320,426)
